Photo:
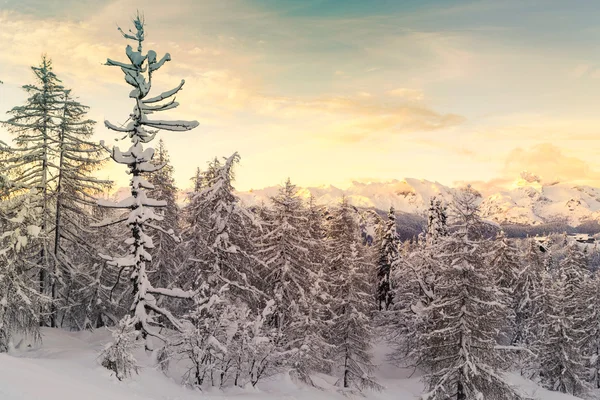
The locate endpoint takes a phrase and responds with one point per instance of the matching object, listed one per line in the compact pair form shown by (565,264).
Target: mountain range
(528,202)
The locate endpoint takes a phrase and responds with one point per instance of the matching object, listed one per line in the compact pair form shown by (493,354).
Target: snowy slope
(64,367)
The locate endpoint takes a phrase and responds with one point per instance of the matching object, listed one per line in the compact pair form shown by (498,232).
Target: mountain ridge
(529,201)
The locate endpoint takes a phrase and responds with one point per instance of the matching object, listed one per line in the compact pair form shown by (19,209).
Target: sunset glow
(327,92)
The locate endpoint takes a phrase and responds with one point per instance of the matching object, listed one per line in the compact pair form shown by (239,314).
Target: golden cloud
(550,163)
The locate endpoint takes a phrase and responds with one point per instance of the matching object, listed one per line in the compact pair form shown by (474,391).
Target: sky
(335,91)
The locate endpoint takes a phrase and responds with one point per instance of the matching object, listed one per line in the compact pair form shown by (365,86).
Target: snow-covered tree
(290,277)
(222,266)
(422,266)
(456,344)
(118,355)
(352,302)
(505,262)
(165,254)
(19,300)
(218,234)
(100,293)
(54,155)
(526,289)
(141,129)
(75,193)
(559,320)
(437,221)
(35,125)
(590,300)
(388,257)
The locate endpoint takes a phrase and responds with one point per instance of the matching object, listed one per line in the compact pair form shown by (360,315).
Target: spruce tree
(54,155)
(165,254)
(35,125)
(456,344)
(75,194)
(388,257)
(560,326)
(289,271)
(140,129)
(590,299)
(505,262)
(437,221)
(352,305)
(218,234)
(526,289)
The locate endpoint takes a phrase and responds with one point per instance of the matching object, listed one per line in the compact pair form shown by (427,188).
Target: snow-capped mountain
(408,195)
(532,202)
(529,201)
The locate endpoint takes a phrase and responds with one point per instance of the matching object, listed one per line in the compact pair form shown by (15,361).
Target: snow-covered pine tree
(320,312)
(316,216)
(456,344)
(141,129)
(54,155)
(196,180)
(352,301)
(422,263)
(19,300)
(526,289)
(590,299)
(560,320)
(290,277)
(223,267)
(388,257)
(34,125)
(218,233)
(165,254)
(437,221)
(413,277)
(75,194)
(505,262)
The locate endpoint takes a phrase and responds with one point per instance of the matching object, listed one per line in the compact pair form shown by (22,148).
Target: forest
(238,294)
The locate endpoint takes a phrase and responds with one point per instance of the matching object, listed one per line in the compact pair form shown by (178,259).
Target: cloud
(409,94)
(550,163)
(253,77)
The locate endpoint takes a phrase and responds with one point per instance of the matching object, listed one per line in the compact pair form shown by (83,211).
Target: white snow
(65,367)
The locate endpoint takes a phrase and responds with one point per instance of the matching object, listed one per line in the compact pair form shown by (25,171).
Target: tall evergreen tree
(526,289)
(560,322)
(388,257)
(285,252)
(35,125)
(54,155)
(590,299)
(437,221)
(141,129)
(75,193)
(457,345)
(165,255)
(352,304)
(505,262)
(218,233)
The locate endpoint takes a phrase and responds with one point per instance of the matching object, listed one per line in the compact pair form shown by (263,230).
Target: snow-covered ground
(65,367)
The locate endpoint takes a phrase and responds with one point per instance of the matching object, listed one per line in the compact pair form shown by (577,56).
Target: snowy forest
(220,295)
